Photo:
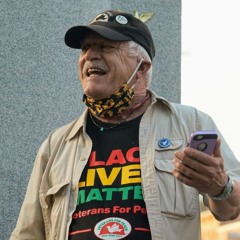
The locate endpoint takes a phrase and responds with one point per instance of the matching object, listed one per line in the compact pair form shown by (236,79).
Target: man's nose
(93,52)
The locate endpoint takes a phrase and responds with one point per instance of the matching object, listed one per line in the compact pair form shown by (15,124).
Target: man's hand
(201,171)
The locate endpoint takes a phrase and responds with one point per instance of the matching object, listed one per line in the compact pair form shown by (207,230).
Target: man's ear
(144,67)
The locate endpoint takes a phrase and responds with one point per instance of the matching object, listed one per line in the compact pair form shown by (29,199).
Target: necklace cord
(102,128)
(125,115)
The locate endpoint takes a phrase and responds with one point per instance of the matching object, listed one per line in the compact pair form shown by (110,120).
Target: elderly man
(124,168)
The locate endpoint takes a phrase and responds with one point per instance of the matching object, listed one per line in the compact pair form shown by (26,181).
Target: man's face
(104,66)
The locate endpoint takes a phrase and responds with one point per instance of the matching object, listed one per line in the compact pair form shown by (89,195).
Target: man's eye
(107,48)
(85,47)
(101,48)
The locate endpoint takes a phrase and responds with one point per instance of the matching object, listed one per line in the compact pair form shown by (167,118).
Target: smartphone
(203,141)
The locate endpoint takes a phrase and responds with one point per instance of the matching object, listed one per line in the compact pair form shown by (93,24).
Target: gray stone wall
(39,86)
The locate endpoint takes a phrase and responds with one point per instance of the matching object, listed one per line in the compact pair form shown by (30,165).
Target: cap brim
(75,35)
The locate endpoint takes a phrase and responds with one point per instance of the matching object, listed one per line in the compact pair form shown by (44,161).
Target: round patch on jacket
(164,143)
(112,228)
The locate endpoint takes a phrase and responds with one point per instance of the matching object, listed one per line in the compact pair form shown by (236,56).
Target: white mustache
(98,65)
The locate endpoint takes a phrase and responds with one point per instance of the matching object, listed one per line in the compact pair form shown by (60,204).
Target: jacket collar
(80,124)
(156,99)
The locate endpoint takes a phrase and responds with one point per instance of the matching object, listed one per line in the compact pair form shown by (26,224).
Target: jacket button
(74,188)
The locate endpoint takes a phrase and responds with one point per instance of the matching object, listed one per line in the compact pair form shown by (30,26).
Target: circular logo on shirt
(112,229)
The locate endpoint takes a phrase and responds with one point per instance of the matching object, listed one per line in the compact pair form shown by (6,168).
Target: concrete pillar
(40,90)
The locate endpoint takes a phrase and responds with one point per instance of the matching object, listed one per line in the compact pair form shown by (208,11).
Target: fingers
(191,177)
(181,172)
(186,174)
(199,170)
(194,159)
(181,168)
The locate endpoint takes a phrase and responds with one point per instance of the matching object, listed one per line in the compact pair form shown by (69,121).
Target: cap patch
(103,17)
(121,19)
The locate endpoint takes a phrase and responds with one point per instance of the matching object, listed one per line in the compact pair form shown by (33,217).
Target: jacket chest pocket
(53,203)
(177,200)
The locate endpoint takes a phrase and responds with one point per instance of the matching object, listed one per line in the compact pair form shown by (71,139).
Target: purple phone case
(203,141)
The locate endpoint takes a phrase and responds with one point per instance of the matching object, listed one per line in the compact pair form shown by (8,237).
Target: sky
(211,64)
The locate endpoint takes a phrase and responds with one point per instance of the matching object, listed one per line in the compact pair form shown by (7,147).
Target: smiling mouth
(94,72)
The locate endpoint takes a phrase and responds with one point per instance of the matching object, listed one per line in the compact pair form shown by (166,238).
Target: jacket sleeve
(30,224)
(231,164)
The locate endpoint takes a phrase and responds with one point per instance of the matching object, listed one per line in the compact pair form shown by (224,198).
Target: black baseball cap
(113,25)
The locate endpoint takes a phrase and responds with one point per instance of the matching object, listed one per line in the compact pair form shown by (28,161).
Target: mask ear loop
(134,72)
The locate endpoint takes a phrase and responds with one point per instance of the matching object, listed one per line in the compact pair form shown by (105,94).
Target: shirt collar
(156,99)
(81,122)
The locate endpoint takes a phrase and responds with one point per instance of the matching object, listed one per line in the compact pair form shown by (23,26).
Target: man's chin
(96,96)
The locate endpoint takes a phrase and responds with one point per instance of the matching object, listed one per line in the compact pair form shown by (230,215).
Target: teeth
(94,71)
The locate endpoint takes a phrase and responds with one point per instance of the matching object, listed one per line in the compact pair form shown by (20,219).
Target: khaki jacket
(173,208)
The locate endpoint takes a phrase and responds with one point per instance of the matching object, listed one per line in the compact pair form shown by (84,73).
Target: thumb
(217,150)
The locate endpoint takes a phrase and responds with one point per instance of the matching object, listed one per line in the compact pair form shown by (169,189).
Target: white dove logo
(112,228)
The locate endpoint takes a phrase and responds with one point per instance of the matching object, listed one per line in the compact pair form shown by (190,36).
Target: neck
(138,106)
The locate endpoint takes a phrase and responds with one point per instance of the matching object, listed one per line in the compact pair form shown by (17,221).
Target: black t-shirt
(110,203)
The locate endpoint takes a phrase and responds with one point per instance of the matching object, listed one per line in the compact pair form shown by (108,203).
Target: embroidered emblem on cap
(164,143)
(103,17)
(121,19)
